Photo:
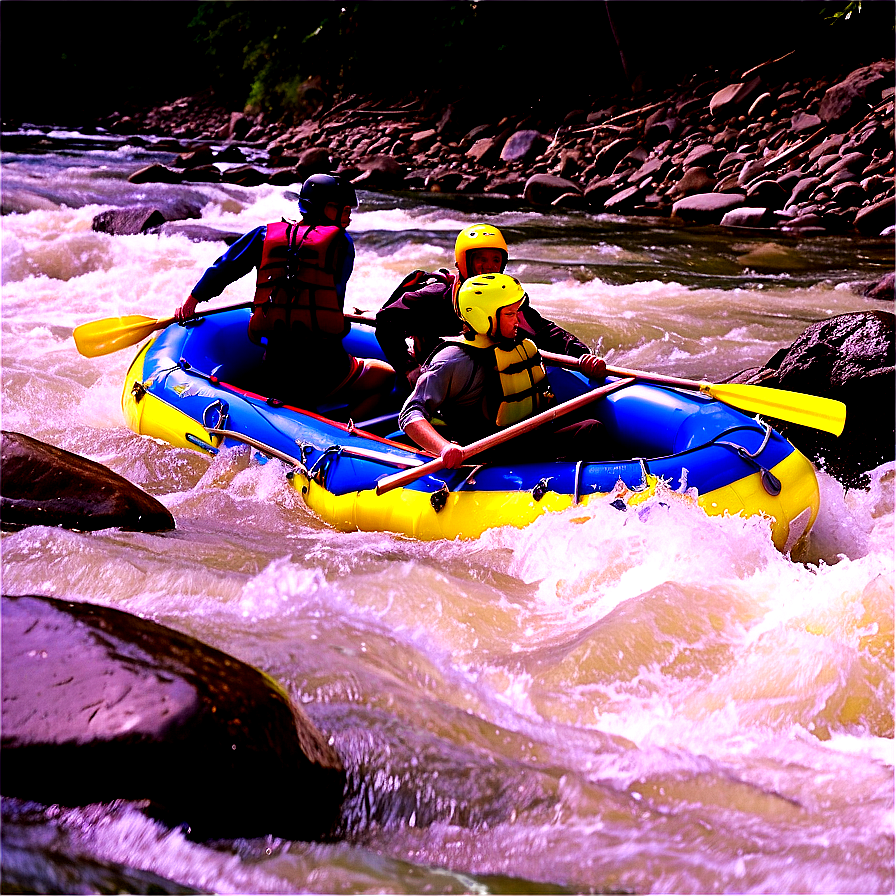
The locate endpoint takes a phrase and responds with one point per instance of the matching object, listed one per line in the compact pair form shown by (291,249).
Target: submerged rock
(100,705)
(47,486)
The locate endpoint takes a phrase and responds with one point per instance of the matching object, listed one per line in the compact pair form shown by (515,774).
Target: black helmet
(319,189)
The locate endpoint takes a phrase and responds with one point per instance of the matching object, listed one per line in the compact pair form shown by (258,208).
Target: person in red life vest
(424,308)
(489,378)
(302,271)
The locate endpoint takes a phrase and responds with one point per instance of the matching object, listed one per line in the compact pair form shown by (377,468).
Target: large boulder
(852,98)
(47,486)
(848,358)
(100,705)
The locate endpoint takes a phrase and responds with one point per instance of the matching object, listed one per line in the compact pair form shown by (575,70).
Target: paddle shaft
(499,438)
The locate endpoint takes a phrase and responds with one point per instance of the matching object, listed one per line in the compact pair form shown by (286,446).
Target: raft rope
(769,481)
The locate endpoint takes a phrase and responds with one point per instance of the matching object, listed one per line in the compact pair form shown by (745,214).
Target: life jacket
(517,385)
(296,282)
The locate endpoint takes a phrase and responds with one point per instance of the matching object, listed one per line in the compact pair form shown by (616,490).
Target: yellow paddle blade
(795,407)
(101,337)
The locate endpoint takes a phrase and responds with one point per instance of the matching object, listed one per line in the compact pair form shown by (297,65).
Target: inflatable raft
(191,386)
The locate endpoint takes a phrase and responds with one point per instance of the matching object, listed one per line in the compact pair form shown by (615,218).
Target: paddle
(505,435)
(101,337)
(796,407)
(826,414)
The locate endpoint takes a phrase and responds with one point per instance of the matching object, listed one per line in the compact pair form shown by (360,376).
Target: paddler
(423,308)
(488,378)
(302,271)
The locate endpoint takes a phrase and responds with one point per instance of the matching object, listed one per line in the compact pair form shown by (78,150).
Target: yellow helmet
(480,298)
(477,236)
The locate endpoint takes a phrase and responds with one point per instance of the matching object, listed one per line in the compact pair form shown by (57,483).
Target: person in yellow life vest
(423,308)
(302,269)
(489,378)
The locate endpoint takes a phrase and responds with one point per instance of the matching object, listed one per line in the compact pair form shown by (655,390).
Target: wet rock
(747,217)
(197,233)
(315,160)
(208,174)
(380,172)
(47,486)
(100,705)
(882,290)
(245,176)
(706,208)
(543,189)
(849,358)
(127,221)
(204,155)
(156,174)
(873,219)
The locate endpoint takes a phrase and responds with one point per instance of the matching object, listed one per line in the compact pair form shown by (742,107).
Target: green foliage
(841,11)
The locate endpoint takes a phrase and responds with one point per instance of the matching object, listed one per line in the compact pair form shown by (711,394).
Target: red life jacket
(296,283)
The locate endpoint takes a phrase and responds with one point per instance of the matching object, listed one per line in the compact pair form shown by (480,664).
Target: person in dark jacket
(424,308)
(302,271)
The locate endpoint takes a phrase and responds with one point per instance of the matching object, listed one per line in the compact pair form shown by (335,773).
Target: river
(602,702)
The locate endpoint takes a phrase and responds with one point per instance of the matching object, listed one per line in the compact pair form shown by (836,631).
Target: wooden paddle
(505,435)
(827,414)
(101,337)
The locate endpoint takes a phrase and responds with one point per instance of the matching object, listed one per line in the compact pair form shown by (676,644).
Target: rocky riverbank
(763,148)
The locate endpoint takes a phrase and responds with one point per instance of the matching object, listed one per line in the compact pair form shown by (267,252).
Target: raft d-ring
(439,498)
(223,411)
(540,489)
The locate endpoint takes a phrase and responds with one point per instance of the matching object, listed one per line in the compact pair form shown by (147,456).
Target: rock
(197,233)
(804,121)
(803,189)
(732,99)
(245,176)
(485,150)
(47,486)
(873,219)
(882,290)
(767,193)
(704,156)
(127,221)
(543,189)
(694,180)
(208,174)
(156,174)
(239,126)
(847,102)
(204,155)
(315,160)
(380,172)
(746,217)
(624,201)
(100,705)
(524,146)
(707,208)
(849,358)
(609,156)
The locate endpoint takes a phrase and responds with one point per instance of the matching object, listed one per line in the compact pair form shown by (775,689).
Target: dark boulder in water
(850,358)
(47,486)
(100,705)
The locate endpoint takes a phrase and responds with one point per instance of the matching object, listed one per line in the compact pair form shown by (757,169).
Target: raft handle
(439,498)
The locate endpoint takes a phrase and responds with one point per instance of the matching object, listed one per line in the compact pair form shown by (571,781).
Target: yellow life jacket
(522,389)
